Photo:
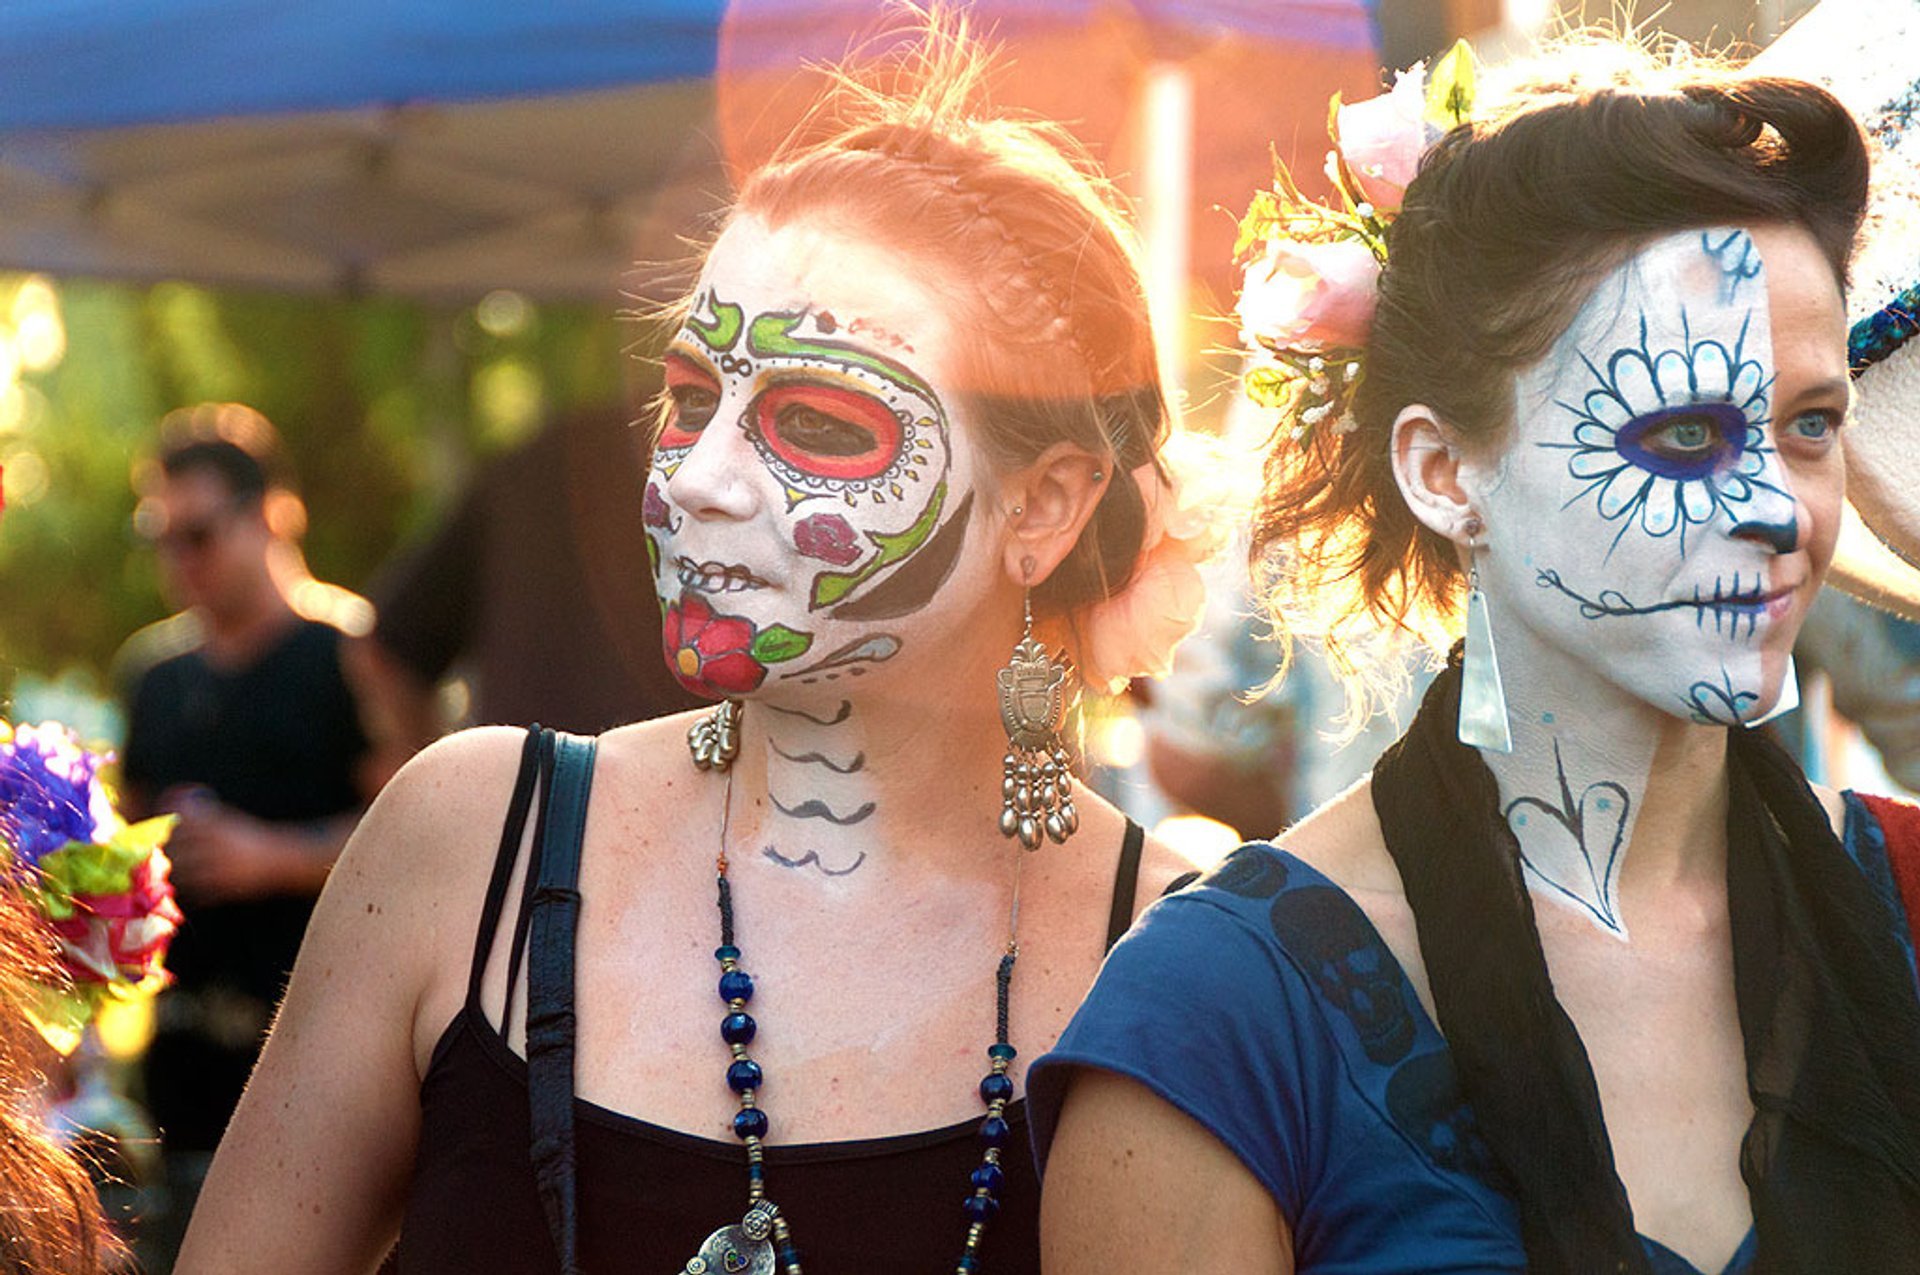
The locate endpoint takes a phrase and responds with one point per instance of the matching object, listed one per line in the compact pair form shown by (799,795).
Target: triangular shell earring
(1483,701)
(1789,696)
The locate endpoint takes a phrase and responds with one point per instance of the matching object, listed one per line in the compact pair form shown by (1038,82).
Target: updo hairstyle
(1574,160)
(1014,224)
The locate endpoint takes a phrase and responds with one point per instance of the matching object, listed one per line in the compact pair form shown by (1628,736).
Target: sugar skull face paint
(807,498)
(1649,512)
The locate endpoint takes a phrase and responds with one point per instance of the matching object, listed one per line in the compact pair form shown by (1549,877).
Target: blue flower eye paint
(1691,441)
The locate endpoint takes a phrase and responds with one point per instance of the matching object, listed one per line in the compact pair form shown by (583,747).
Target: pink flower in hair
(1382,138)
(1310,296)
(1134,633)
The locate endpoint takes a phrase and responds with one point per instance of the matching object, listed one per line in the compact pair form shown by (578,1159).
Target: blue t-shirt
(1263,1004)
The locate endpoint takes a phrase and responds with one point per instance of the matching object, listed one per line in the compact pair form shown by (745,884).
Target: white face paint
(809,496)
(1642,516)
(1655,528)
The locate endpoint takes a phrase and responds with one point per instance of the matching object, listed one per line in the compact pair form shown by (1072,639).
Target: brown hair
(1586,152)
(49,1214)
(1018,227)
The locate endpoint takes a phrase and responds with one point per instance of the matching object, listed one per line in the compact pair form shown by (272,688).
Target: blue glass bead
(750,1122)
(789,1255)
(993,1131)
(737,1029)
(756,1172)
(735,985)
(996,1086)
(1007,1052)
(743,1075)
(968,1262)
(988,1176)
(726,953)
(981,1208)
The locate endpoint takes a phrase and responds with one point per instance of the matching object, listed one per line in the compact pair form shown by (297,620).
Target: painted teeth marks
(715,577)
(1729,602)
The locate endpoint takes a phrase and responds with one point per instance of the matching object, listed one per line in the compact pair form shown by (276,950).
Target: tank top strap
(555,909)
(536,854)
(510,838)
(1126,883)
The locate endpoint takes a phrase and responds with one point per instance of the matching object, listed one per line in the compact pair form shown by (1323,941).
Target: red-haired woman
(912,397)
(50,1221)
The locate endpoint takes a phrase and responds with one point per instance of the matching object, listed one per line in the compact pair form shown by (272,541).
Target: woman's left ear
(1047,505)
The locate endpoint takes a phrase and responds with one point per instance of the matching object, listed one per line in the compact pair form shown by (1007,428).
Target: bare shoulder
(407,889)
(449,798)
(1160,866)
(1342,839)
(657,742)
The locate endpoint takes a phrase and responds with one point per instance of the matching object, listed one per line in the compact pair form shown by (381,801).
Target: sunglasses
(190,539)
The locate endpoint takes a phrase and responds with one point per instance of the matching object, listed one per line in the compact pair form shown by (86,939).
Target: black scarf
(1826,1003)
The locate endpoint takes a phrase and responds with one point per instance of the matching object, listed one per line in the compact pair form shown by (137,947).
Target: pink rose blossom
(1383,137)
(1310,296)
(1189,516)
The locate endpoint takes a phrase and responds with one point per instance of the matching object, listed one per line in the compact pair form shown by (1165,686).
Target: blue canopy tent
(441,149)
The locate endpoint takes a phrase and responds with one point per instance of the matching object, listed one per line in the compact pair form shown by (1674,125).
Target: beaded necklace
(761,1242)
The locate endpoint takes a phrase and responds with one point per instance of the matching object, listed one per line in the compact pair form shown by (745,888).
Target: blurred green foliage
(385,406)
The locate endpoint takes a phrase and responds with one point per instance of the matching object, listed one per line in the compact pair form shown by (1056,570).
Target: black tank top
(648,1195)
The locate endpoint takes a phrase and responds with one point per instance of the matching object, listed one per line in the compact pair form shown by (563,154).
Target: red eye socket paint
(828,432)
(694,395)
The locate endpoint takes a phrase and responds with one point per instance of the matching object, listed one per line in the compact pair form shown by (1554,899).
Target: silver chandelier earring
(1483,701)
(714,740)
(1036,785)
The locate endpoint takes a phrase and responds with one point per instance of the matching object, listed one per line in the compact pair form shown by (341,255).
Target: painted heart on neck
(1573,847)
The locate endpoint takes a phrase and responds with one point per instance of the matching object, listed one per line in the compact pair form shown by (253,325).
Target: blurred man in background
(240,719)
(535,592)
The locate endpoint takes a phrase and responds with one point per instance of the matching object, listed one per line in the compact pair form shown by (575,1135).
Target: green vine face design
(806,474)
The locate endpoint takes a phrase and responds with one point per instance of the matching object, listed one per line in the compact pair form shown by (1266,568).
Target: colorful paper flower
(828,537)
(100,883)
(724,655)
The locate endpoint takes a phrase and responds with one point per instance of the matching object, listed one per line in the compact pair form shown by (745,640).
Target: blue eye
(1685,442)
(1815,427)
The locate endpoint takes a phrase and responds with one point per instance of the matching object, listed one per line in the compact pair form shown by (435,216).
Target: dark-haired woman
(913,395)
(1585,977)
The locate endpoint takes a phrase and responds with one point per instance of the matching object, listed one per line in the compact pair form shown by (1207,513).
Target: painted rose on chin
(724,654)
(828,537)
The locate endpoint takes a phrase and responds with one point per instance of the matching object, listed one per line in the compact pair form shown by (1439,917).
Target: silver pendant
(742,1248)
